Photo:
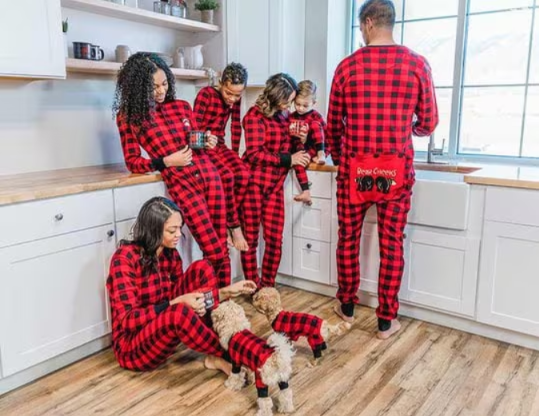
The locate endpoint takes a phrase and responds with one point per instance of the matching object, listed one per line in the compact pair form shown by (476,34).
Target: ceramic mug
(97,54)
(82,50)
(197,139)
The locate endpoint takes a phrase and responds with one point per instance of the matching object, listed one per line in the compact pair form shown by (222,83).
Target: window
(484,56)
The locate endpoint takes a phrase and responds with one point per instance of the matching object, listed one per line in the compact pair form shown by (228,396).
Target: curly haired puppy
(295,324)
(271,361)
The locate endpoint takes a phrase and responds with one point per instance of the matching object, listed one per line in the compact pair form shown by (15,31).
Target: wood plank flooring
(425,370)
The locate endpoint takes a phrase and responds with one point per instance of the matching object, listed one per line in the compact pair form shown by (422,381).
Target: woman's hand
(194,300)
(301,158)
(182,157)
(211,140)
(245,287)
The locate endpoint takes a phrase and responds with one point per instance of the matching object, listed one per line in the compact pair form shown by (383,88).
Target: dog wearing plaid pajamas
(295,324)
(149,117)
(270,361)
(214,106)
(380,95)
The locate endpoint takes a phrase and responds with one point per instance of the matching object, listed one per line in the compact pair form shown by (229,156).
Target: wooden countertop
(49,184)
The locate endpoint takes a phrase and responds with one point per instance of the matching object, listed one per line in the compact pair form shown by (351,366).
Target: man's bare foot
(337,309)
(238,239)
(212,362)
(304,197)
(229,239)
(395,327)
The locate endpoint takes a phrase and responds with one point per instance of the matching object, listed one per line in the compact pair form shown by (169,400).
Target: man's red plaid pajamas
(375,93)
(145,329)
(212,113)
(296,324)
(268,157)
(316,140)
(196,189)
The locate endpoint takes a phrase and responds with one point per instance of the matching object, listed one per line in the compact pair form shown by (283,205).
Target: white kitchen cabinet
(31,39)
(52,296)
(440,270)
(311,260)
(509,277)
(287,256)
(267,37)
(312,221)
(129,199)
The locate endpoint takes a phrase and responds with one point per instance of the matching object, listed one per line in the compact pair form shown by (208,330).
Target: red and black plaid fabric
(295,325)
(212,113)
(197,189)
(316,140)
(375,93)
(143,338)
(245,348)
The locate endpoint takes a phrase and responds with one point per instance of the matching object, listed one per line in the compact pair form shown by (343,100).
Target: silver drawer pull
(59,217)
(309,246)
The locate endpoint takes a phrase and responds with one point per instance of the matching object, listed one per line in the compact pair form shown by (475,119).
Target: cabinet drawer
(312,221)
(321,184)
(311,260)
(39,219)
(515,206)
(129,199)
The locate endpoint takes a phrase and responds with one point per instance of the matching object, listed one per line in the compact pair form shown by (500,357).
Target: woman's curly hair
(277,91)
(133,98)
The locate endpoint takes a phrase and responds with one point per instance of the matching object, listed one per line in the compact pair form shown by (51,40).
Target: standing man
(380,95)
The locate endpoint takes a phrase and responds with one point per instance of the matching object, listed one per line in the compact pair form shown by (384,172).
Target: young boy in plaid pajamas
(268,157)
(155,305)
(307,120)
(214,106)
(149,116)
(375,94)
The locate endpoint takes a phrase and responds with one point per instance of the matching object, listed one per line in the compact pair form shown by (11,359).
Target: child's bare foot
(212,362)
(395,327)
(304,197)
(238,239)
(320,158)
(349,319)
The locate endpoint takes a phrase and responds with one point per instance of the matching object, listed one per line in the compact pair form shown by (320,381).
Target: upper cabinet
(267,37)
(31,43)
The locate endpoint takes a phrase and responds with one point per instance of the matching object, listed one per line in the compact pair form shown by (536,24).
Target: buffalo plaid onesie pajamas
(196,188)
(295,325)
(145,329)
(212,113)
(375,93)
(316,141)
(268,157)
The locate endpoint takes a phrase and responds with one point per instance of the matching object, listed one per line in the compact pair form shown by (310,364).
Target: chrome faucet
(432,150)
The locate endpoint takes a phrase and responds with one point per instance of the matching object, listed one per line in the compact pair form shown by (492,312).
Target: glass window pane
(491,120)
(497,49)
(534,68)
(421,9)
(357,39)
(531,128)
(489,5)
(435,40)
(444,99)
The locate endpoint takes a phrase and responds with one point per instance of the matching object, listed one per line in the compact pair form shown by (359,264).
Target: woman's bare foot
(395,327)
(238,239)
(212,362)
(337,309)
(304,197)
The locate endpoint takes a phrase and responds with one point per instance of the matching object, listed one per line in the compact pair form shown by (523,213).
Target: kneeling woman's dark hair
(149,226)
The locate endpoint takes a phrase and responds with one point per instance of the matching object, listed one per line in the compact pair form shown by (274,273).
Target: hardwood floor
(424,370)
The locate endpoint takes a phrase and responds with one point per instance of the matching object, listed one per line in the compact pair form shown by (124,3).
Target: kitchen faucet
(432,150)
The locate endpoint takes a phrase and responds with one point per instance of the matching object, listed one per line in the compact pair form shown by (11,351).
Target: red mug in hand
(298,126)
(197,139)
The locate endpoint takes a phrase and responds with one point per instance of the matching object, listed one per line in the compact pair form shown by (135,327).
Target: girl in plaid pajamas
(376,93)
(307,120)
(149,116)
(268,157)
(155,305)
(213,107)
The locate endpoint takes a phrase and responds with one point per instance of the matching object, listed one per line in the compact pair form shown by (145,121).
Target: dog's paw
(265,406)
(248,376)
(285,401)
(235,382)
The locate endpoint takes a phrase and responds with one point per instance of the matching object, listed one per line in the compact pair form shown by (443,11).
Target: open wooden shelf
(111,68)
(119,11)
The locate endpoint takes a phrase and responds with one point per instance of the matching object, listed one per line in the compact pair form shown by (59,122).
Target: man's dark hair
(382,13)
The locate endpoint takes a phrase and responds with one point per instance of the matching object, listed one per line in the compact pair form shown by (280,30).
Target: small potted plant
(65,28)
(206,8)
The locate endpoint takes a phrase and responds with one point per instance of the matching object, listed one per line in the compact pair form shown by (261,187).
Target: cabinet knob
(110,233)
(59,217)
(309,246)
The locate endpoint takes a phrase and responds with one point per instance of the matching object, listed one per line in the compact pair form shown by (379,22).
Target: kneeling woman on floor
(155,305)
